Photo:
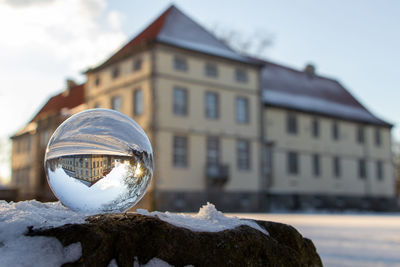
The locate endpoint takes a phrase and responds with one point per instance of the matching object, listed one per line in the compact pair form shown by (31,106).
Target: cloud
(41,43)
(26,3)
(77,33)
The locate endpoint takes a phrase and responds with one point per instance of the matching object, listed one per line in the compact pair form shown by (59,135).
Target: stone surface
(125,236)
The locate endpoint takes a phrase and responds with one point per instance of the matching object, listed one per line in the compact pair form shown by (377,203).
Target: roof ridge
(293,69)
(173,7)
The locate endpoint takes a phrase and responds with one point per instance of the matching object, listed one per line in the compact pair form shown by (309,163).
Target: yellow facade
(157,79)
(346,148)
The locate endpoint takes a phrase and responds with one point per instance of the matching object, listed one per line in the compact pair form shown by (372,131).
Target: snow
(290,88)
(182,31)
(356,240)
(19,250)
(208,219)
(313,104)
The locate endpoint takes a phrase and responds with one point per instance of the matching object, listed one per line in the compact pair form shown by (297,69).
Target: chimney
(70,83)
(309,69)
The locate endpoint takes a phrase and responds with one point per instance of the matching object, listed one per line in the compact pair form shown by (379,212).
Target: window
(378,140)
(44,138)
(360,134)
(180,63)
(315,127)
(138,102)
(292,163)
(379,170)
(336,167)
(137,64)
(97,81)
(212,150)
(316,165)
(210,69)
(242,110)
(116,103)
(362,169)
(115,72)
(211,105)
(180,151)
(335,130)
(291,123)
(97,105)
(243,155)
(180,101)
(241,75)
(28,144)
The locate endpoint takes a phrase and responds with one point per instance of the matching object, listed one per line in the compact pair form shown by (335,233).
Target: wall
(123,86)
(197,127)
(346,148)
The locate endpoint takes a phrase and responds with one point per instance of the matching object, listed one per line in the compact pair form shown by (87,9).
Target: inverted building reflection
(89,169)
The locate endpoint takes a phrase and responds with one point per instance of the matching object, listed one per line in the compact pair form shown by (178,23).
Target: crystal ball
(99,161)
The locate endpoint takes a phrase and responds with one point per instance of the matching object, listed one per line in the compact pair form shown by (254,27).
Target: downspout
(154,123)
(262,183)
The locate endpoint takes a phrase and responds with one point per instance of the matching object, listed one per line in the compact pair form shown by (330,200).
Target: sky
(43,42)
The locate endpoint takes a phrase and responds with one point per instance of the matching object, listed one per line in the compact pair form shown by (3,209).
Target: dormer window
(115,72)
(180,63)
(241,75)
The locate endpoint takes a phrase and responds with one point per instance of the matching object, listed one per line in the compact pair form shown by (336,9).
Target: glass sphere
(99,161)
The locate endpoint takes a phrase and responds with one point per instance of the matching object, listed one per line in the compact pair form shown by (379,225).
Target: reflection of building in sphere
(90,168)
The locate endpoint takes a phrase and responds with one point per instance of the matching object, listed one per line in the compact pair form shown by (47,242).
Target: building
(90,168)
(240,132)
(199,109)
(325,148)
(29,144)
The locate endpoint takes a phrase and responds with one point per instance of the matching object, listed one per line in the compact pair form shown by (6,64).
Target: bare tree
(254,43)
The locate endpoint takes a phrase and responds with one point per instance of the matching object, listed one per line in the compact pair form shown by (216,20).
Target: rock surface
(124,237)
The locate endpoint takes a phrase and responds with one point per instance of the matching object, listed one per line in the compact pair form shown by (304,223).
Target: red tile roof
(75,97)
(147,35)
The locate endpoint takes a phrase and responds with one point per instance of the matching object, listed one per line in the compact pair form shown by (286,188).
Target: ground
(349,239)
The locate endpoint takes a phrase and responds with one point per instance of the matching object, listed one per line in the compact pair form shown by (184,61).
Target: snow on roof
(173,27)
(299,90)
(180,30)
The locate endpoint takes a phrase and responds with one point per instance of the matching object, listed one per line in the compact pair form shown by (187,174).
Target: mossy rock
(124,237)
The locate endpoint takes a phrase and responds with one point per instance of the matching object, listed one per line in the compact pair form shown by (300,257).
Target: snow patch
(208,219)
(19,250)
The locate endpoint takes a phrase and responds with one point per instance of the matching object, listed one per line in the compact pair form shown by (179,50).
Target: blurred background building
(241,132)
(29,144)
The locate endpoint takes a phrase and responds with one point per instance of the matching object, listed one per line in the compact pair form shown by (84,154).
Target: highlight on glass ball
(99,161)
